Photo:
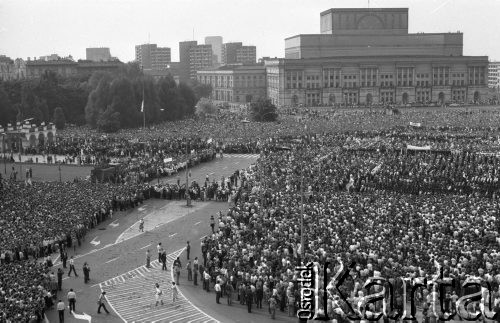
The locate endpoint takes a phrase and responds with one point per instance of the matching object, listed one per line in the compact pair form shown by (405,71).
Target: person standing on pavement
(229,292)
(212,223)
(190,271)
(160,251)
(60,310)
(60,274)
(249,300)
(206,280)
(102,303)
(72,267)
(217,291)
(195,267)
(64,258)
(188,249)
(141,225)
(148,259)
(164,260)
(86,273)
(272,306)
(72,300)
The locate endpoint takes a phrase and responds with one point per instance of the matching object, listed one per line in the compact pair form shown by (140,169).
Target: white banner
(167,160)
(416,124)
(209,141)
(410,147)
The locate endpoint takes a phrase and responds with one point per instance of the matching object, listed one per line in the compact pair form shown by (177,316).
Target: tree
(188,99)
(263,110)
(59,119)
(7,110)
(109,120)
(169,98)
(205,108)
(98,100)
(200,90)
(123,101)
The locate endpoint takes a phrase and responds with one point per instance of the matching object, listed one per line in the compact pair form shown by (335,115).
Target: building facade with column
(235,83)
(367,56)
(494,75)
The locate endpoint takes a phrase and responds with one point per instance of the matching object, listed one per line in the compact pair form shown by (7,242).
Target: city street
(116,252)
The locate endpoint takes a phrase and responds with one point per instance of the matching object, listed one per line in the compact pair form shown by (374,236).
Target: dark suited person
(60,274)
(195,271)
(164,260)
(86,273)
(249,298)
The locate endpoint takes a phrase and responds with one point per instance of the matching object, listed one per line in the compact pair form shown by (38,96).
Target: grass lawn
(44,172)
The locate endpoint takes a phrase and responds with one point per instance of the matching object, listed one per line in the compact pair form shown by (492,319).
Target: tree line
(107,101)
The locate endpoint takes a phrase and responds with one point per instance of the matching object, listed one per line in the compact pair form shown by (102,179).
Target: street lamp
(188,197)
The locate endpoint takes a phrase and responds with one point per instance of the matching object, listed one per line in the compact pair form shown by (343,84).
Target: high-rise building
(246,55)
(149,56)
(184,59)
(367,56)
(494,75)
(234,53)
(216,42)
(98,54)
(192,58)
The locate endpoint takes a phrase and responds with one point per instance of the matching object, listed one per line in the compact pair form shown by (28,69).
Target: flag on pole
(142,106)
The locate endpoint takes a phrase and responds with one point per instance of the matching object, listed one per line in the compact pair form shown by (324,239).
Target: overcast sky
(41,27)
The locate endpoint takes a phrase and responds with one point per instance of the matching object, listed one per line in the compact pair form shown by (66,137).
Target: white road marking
(173,234)
(94,242)
(142,208)
(112,260)
(197,223)
(145,247)
(65,278)
(113,224)
(203,237)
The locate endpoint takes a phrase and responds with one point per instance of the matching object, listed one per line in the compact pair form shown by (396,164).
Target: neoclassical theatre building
(367,56)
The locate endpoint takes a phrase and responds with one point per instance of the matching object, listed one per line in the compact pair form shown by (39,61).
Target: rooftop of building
(363,10)
(374,33)
(390,58)
(232,67)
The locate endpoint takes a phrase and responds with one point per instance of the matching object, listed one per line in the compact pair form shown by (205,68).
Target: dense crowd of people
(396,198)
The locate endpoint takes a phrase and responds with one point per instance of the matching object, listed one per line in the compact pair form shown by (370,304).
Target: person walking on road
(64,258)
(175,292)
(86,273)
(148,259)
(158,294)
(60,310)
(249,300)
(72,300)
(72,267)
(102,303)
(188,250)
(141,225)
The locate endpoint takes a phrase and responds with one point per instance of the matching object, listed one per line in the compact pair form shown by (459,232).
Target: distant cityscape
(361,56)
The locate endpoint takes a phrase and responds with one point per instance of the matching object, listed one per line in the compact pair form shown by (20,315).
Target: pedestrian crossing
(132,296)
(248,156)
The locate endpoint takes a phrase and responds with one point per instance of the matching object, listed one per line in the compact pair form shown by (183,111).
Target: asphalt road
(116,252)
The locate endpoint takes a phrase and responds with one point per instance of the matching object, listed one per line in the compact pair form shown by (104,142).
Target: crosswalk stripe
(131,296)
(242,156)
